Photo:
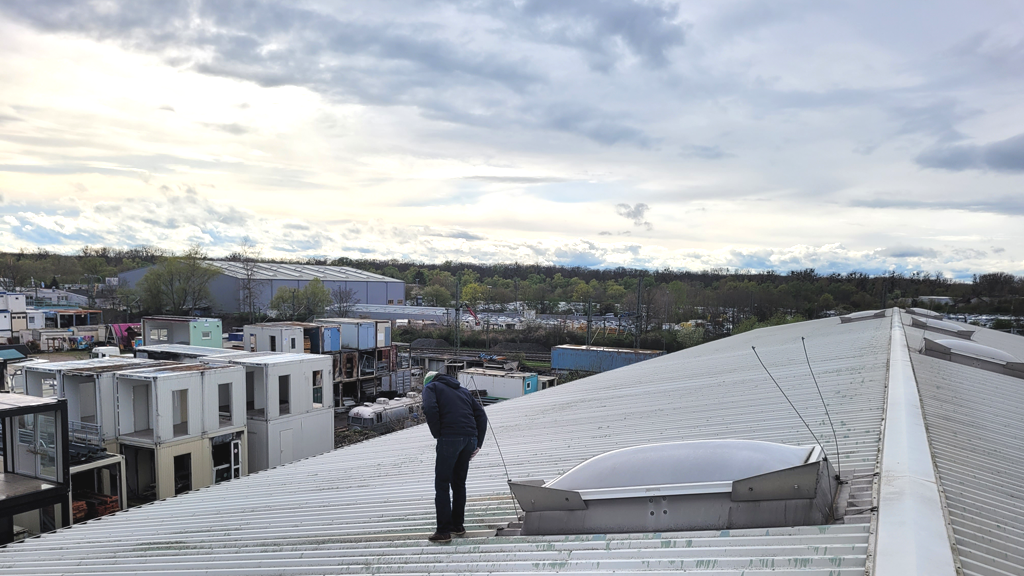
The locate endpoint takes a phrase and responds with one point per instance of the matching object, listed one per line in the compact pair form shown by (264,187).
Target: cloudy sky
(786,134)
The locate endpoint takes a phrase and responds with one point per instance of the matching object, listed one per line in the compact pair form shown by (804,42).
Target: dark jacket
(452,411)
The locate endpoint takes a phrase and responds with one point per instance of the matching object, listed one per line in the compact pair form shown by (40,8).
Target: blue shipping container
(596,358)
(332,338)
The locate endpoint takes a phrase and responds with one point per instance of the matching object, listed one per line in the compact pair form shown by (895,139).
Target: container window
(318,388)
(207,335)
(284,388)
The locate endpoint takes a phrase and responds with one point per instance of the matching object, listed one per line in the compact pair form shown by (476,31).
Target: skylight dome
(974,355)
(681,463)
(700,485)
(948,328)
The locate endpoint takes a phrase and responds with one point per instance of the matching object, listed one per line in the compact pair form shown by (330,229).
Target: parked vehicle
(386,415)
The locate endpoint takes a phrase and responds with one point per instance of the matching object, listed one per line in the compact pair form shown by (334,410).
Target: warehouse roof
(368,507)
(273,271)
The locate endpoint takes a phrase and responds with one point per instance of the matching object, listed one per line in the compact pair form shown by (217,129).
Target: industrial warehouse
(267,278)
(910,405)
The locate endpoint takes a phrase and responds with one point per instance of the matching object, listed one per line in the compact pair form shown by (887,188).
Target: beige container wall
(202,465)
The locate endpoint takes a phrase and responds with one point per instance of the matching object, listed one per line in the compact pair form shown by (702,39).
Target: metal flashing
(911,534)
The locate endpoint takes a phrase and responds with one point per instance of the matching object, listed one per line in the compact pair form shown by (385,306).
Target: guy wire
(791,405)
(835,437)
(508,478)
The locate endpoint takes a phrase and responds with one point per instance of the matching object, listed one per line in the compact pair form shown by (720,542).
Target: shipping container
(399,382)
(499,384)
(597,358)
(355,334)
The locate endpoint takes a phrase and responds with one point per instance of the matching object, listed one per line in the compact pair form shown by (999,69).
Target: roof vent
(924,313)
(974,355)
(859,316)
(947,328)
(701,485)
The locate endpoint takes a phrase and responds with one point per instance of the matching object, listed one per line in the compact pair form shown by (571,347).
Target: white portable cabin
(181,427)
(89,387)
(177,352)
(498,383)
(273,337)
(12,302)
(289,405)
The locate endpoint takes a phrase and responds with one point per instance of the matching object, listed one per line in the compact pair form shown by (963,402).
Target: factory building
(227,290)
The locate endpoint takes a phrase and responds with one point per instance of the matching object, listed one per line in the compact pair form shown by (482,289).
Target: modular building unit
(88,386)
(499,384)
(273,337)
(597,358)
(177,352)
(398,382)
(355,334)
(181,427)
(182,330)
(289,405)
(13,302)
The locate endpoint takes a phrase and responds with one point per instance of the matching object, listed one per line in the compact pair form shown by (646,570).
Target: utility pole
(590,304)
(458,313)
(639,310)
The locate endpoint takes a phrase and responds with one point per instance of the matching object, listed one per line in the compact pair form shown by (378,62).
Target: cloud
(230,128)
(705,152)
(604,30)
(907,252)
(1001,156)
(1008,205)
(635,213)
(604,233)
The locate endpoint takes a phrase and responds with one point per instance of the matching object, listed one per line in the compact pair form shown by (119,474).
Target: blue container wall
(530,384)
(332,338)
(367,336)
(592,360)
(387,336)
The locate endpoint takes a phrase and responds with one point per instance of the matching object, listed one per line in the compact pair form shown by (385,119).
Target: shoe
(440,537)
(460,531)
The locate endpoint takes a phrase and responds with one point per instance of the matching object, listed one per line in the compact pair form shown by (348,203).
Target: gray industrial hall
(226,288)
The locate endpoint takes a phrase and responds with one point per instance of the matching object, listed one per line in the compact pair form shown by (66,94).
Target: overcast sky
(837,135)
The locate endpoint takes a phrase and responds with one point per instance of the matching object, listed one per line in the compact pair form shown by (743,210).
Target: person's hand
(473,455)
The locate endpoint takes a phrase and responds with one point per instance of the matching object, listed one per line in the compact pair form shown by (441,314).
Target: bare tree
(344,299)
(251,288)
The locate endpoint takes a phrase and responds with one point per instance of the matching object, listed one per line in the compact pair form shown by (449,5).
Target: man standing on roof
(459,423)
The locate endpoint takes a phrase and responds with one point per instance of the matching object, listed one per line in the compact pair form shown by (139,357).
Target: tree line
(179,283)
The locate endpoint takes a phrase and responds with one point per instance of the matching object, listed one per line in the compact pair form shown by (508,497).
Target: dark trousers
(450,471)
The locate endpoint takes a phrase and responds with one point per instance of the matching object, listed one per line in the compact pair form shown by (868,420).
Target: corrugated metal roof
(368,507)
(273,271)
(974,427)
(184,349)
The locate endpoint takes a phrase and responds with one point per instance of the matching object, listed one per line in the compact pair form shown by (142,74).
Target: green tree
(473,293)
(316,298)
(435,295)
(179,284)
(301,303)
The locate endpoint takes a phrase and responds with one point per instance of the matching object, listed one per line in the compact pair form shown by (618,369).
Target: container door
(236,458)
(332,335)
(367,336)
(286,446)
(387,335)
